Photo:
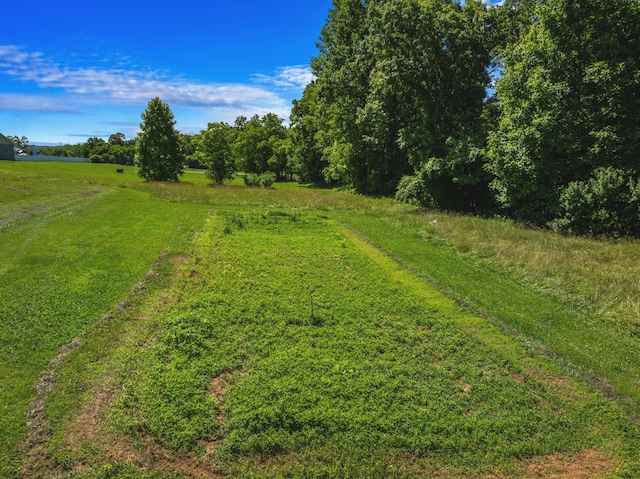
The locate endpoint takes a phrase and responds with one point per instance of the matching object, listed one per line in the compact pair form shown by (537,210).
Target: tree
(159,155)
(214,150)
(278,145)
(401,83)
(22,143)
(116,139)
(188,143)
(428,86)
(258,145)
(342,72)
(92,144)
(306,137)
(569,105)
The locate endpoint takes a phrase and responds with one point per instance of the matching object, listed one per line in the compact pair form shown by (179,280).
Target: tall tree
(427,91)
(159,155)
(342,71)
(569,105)
(214,150)
(402,83)
(306,137)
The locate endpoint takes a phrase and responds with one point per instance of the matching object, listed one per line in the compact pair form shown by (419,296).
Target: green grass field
(297,332)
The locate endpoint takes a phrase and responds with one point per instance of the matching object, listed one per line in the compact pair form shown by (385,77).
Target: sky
(71,70)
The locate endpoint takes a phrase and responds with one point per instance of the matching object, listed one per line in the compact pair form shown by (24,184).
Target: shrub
(264,180)
(608,203)
(252,179)
(411,189)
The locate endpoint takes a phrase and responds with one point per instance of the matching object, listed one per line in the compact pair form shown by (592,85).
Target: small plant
(233,221)
(265,180)
(252,179)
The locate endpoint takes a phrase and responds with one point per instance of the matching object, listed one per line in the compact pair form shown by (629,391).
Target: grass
(333,365)
(587,341)
(70,254)
(290,332)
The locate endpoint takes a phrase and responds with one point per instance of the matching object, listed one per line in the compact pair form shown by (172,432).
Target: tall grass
(599,273)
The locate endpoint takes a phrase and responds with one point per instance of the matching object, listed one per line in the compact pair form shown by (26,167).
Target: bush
(608,203)
(252,179)
(264,180)
(267,179)
(411,189)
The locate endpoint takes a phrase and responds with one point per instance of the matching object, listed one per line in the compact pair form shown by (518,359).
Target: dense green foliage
(608,203)
(401,89)
(117,149)
(528,110)
(401,84)
(214,150)
(569,107)
(307,159)
(264,180)
(159,155)
(261,145)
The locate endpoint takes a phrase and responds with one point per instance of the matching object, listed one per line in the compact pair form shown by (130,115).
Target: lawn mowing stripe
(607,358)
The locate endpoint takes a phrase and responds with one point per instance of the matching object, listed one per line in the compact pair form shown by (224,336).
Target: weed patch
(384,375)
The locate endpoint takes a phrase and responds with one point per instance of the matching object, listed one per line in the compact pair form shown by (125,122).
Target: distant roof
(4,140)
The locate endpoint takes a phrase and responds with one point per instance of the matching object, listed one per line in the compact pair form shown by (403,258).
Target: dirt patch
(86,426)
(217,388)
(588,464)
(219,385)
(42,209)
(38,430)
(143,452)
(179,259)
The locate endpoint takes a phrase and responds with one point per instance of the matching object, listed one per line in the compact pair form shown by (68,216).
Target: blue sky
(70,70)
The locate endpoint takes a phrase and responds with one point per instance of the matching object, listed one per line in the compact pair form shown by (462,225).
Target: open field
(182,330)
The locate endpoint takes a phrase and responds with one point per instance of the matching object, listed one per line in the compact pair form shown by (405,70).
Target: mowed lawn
(275,340)
(70,252)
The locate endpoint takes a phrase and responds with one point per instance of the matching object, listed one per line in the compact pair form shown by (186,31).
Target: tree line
(258,146)
(116,149)
(529,110)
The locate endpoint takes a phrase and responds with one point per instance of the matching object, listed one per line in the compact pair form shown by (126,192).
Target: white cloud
(101,86)
(295,77)
(20,102)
